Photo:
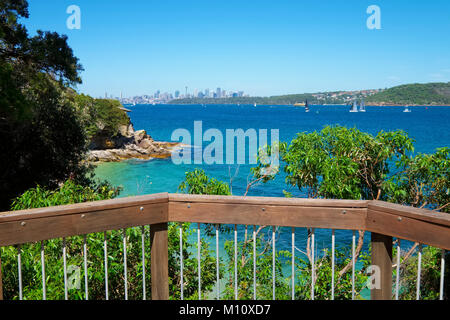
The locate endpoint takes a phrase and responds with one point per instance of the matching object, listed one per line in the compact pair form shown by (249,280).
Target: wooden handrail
(420,225)
(383,220)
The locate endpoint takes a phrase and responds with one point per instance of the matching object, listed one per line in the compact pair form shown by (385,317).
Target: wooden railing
(383,220)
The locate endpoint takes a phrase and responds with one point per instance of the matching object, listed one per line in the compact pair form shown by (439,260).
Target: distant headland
(428,94)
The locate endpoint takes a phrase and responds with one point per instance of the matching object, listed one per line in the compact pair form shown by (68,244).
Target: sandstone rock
(128,144)
(127,131)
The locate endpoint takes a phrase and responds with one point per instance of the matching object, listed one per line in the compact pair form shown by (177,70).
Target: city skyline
(164,96)
(266,49)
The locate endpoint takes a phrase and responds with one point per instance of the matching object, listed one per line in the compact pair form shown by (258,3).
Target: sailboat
(354,107)
(362,107)
(306,106)
(255,105)
(406,109)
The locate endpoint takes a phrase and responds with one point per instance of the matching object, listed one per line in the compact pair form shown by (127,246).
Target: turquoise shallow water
(428,126)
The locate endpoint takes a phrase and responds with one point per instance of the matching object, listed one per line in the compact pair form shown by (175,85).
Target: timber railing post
(382,257)
(159,261)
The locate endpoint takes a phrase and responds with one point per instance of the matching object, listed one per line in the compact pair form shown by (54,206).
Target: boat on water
(306,106)
(406,109)
(354,107)
(255,105)
(362,107)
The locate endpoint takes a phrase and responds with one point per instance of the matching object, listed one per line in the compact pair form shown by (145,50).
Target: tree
(43,139)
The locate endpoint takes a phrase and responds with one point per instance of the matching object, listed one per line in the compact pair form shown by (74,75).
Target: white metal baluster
(254,262)
(441,287)
(19,266)
(105,250)
(235,264)
(333,247)
(273,263)
(44,290)
(313,267)
(217,262)
(125,269)
(144,291)
(86,288)
(66,293)
(293,264)
(353,264)
(397,278)
(419,270)
(181,263)
(199,263)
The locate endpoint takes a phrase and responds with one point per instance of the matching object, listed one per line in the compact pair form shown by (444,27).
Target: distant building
(177,94)
(218,93)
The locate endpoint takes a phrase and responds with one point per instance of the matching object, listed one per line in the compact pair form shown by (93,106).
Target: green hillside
(414,94)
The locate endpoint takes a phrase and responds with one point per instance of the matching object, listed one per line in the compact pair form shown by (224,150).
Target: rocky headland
(128,144)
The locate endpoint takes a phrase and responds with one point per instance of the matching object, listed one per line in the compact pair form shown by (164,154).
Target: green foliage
(100,116)
(190,264)
(429,277)
(264,269)
(68,193)
(423,180)
(323,276)
(197,182)
(342,163)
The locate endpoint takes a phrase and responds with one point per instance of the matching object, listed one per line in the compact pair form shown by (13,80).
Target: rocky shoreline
(129,144)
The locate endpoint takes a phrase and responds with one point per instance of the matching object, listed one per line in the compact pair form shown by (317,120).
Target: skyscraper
(219,93)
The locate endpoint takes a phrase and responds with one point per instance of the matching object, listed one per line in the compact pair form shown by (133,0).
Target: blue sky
(262,47)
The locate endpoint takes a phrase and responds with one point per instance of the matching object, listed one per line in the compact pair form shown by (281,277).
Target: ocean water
(427,125)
